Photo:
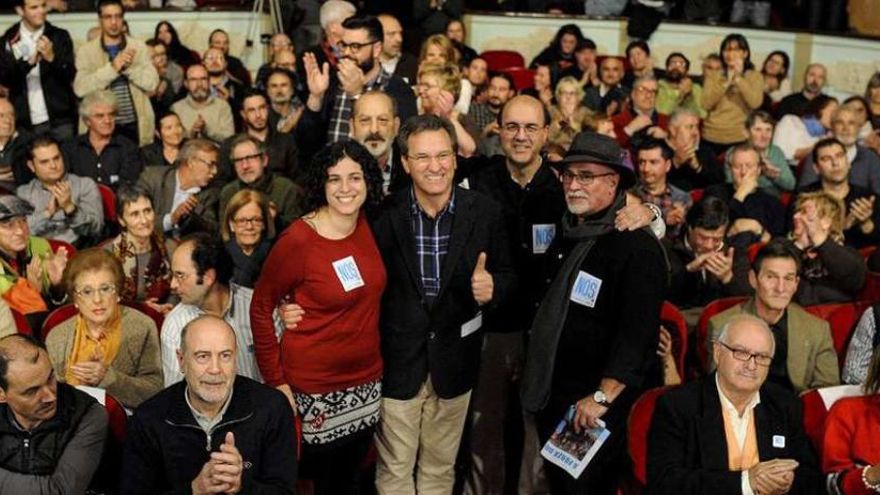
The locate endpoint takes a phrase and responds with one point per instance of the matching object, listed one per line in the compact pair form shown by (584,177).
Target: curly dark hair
(316,174)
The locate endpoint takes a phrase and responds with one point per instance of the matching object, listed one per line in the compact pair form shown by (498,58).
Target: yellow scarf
(747,457)
(85,348)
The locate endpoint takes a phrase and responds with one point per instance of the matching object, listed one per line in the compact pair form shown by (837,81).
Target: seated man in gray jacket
(67,207)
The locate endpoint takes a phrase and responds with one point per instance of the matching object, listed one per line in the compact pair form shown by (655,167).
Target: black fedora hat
(590,147)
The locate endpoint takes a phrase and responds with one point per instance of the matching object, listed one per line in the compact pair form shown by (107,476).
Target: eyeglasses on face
(248,158)
(105,290)
(245,221)
(745,356)
(513,128)
(355,47)
(443,158)
(582,178)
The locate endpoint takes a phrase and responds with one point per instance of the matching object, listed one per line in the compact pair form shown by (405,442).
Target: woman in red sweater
(851,450)
(329,365)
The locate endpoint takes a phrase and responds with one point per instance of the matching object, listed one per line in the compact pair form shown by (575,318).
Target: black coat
(56,77)
(525,211)
(687,448)
(165,448)
(418,340)
(617,338)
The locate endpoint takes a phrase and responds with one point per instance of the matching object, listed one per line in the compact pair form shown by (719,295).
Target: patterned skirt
(333,416)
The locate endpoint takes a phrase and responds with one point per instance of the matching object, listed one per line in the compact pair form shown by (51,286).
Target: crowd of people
(364,269)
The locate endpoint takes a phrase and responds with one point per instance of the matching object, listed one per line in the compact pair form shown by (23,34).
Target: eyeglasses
(105,290)
(583,178)
(355,47)
(651,91)
(746,356)
(255,221)
(204,162)
(513,128)
(244,159)
(443,158)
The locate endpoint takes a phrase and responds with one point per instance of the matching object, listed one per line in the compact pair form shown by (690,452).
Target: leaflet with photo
(573,451)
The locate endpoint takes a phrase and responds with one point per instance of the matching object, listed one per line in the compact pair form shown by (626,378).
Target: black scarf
(246,268)
(550,318)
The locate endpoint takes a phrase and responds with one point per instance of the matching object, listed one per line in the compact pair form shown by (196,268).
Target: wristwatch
(600,398)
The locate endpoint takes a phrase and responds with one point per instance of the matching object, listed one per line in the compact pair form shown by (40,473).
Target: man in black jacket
(595,334)
(51,434)
(213,432)
(730,432)
(37,65)
(445,251)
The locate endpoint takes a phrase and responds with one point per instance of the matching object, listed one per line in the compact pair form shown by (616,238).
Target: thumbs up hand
(482,284)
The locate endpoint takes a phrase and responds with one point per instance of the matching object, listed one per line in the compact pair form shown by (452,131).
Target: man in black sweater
(37,65)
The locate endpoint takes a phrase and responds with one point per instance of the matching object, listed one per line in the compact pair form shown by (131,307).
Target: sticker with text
(348,273)
(542,236)
(586,289)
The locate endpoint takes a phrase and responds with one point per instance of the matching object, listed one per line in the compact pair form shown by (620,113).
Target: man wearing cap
(594,336)
(30,274)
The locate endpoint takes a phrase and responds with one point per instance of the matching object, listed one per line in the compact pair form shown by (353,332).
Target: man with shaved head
(732,432)
(51,434)
(213,432)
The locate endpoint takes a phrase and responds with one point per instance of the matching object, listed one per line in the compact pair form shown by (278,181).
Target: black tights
(336,468)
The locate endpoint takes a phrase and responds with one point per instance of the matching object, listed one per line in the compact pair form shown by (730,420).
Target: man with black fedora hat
(594,336)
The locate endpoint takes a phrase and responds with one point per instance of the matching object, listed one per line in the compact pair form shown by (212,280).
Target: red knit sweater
(336,345)
(852,436)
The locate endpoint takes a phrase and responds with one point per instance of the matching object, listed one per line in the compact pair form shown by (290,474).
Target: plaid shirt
(482,115)
(342,105)
(432,242)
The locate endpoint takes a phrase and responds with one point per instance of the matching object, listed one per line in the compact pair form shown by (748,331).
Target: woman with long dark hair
(560,53)
(177,52)
(329,366)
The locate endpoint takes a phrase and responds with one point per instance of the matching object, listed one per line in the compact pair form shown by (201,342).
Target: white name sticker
(586,289)
(542,236)
(472,325)
(348,273)
(779,441)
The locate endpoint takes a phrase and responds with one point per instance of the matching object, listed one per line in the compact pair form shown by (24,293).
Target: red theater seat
(637,427)
(711,309)
(503,59)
